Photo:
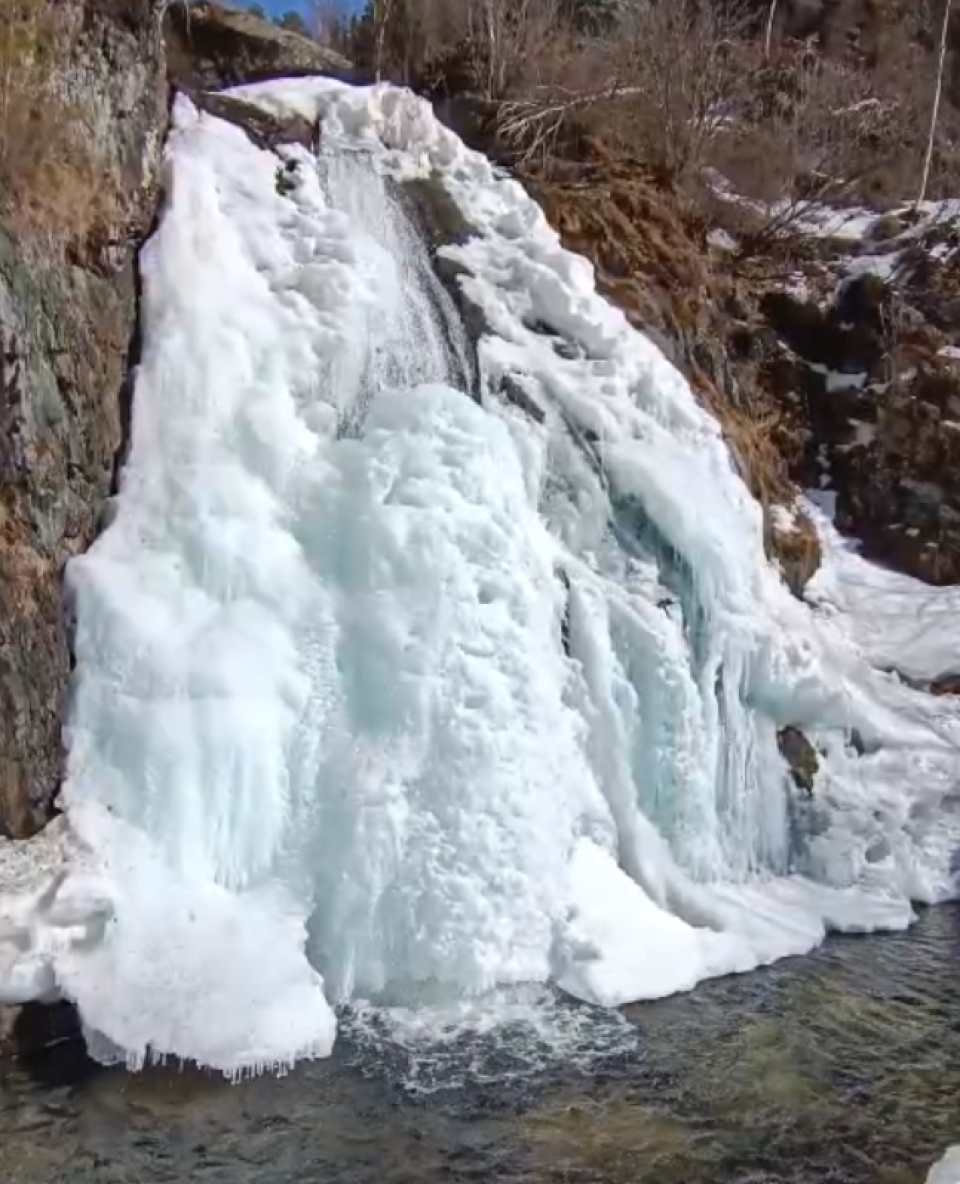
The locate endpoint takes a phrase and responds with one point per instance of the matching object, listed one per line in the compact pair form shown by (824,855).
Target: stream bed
(842,1066)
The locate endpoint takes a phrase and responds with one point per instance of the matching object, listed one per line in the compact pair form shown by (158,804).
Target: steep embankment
(84,120)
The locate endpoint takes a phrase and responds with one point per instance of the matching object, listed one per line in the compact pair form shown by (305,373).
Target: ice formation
(402,675)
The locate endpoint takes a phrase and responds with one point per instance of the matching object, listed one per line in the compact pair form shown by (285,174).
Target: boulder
(210,47)
(801,757)
(265,130)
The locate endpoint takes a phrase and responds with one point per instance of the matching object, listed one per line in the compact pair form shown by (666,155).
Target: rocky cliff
(67,333)
(816,380)
(83,113)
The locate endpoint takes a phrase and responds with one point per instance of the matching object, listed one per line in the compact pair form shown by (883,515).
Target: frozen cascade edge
(422,695)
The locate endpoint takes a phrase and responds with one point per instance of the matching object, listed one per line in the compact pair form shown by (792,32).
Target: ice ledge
(46,908)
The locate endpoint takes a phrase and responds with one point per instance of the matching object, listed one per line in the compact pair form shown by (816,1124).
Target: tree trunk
(768,39)
(938,93)
(382,9)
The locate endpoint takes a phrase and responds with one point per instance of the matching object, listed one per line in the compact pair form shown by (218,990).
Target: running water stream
(843,1066)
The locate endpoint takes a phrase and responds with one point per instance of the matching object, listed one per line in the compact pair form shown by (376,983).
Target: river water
(842,1066)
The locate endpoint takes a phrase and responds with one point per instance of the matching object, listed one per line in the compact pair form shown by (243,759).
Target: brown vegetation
(686,86)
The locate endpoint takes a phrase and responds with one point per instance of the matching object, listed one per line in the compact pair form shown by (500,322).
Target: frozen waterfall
(403,673)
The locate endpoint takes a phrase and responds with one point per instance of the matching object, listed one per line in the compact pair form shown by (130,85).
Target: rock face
(67,332)
(210,47)
(867,370)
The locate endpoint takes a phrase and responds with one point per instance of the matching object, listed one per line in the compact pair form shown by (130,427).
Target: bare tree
(382,12)
(514,43)
(826,136)
(768,37)
(663,85)
(937,95)
(323,21)
(688,77)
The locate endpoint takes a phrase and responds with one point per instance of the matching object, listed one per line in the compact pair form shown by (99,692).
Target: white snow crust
(947,1169)
(390,689)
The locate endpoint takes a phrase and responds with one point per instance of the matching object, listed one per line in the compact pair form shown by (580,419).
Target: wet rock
(210,47)
(797,550)
(440,222)
(800,756)
(265,130)
(857,742)
(37,1027)
(512,390)
(31,1031)
(862,302)
(947,684)
(8,1019)
(437,215)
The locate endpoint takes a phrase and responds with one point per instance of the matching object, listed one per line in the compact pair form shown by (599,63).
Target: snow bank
(387,692)
(899,623)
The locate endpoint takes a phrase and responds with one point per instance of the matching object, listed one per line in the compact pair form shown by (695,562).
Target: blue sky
(279,7)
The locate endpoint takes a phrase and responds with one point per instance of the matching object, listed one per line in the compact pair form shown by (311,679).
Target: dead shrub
(660,85)
(688,67)
(817,133)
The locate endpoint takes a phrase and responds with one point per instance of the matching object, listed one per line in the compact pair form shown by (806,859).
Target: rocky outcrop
(865,367)
(210,47)
(267,131)
(801,758)
(67,332)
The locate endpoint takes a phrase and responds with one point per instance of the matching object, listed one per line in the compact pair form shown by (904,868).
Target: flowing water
(842,1066)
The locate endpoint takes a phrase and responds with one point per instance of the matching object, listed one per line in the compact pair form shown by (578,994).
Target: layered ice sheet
(392,687)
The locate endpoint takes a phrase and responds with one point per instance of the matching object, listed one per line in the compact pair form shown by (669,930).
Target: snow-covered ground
(899,623)
(390,690)
(863,241)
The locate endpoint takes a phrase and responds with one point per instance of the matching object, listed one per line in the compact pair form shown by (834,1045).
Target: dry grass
(797,551)
(49,185)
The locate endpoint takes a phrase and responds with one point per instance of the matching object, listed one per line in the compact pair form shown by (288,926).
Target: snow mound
(947,1169)
(391,689)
